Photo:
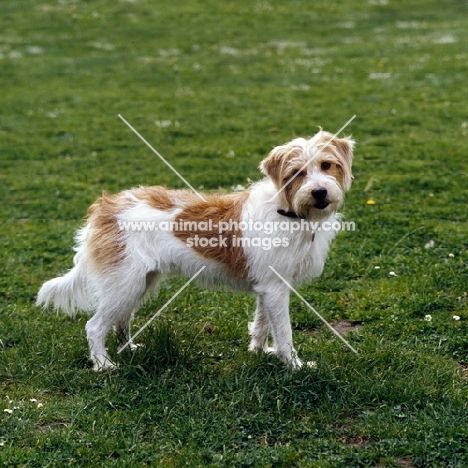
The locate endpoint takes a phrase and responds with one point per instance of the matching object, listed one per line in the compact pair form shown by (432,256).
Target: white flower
(162,123)
(102,45)
(52,115)
(379,76)
(430,245)
(451,255)
(377,268)
(34,50)
(40,405)
(15,54)
(392,273)
(456,317)
(428,318)
(32,400)
(8,410)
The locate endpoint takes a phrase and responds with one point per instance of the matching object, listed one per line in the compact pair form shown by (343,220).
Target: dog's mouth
(321,205)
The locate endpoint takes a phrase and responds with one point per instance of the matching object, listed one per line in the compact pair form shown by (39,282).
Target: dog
(261,240)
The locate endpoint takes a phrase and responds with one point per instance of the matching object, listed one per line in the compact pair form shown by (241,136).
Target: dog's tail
(68,293)
(73,291)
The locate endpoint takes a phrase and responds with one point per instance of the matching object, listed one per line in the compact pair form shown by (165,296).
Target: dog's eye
(325,166)
(294,174)
(299,173)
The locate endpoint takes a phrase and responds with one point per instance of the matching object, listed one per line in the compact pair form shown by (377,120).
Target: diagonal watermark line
(314,311)
(161,309)
(308,162)
(162,159)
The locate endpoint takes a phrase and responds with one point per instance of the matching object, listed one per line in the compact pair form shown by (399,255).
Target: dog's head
(312,175)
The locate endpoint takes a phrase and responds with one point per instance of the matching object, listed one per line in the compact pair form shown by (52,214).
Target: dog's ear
(272,166)
(345,147)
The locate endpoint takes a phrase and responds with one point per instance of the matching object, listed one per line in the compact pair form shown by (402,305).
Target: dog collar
(290,214)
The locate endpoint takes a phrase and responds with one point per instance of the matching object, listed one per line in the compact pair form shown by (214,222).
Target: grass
(214,86)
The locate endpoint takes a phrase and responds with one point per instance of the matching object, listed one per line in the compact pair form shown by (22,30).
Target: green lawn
(213,86)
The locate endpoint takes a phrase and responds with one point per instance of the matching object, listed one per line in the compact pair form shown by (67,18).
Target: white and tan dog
(118,264)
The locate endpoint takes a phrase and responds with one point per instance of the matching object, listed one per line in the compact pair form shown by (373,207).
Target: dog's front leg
(276,307)
(259,328)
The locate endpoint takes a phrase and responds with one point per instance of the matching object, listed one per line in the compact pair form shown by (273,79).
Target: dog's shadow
(158,349)
(165,358)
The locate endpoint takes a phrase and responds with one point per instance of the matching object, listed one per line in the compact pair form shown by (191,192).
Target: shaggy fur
(116,269)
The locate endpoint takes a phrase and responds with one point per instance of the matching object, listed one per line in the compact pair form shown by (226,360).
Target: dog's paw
(295,363)
(132,347)
(310,364)
(105,366)
(256,347)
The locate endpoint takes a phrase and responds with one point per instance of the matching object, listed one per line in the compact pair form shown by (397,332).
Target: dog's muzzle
(320,196)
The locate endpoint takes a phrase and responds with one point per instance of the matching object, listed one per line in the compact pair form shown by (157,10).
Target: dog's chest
(301,257)
(307,255)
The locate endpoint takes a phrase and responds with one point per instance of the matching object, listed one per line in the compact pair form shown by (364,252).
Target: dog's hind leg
(122,331)
(119,296)
(96,331)
(259,328)
(122,327)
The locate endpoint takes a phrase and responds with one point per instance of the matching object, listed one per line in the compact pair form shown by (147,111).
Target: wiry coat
(122,253)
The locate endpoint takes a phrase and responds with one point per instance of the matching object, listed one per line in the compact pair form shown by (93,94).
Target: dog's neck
(290,214)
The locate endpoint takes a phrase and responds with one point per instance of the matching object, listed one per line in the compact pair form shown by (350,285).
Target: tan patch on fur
(339,168)
(217,208)
(105,248)
(157,197)
(161,198)
(290,190)
(341,152)
(334,170)
(276,165)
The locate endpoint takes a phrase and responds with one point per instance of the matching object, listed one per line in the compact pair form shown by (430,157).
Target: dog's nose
(319,194)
